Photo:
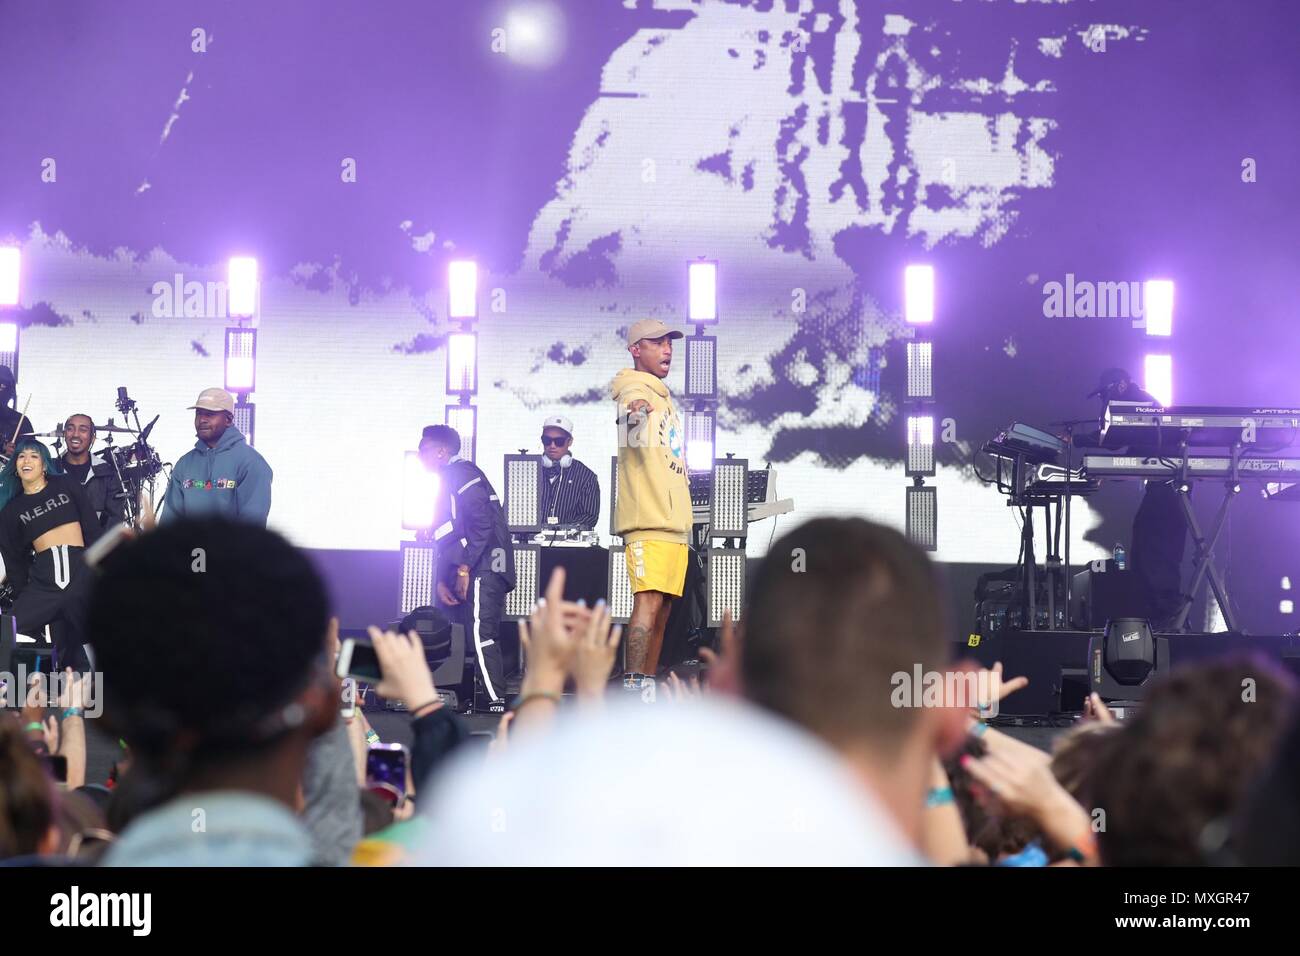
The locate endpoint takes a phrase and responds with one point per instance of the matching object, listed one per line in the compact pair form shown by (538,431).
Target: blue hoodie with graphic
(229,481)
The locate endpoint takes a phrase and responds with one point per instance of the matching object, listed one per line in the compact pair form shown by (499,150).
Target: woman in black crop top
(46,523)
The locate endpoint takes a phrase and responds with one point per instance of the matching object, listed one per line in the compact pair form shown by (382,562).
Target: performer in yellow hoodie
(653,515)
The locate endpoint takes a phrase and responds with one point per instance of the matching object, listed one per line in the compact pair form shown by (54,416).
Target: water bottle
(1121,560)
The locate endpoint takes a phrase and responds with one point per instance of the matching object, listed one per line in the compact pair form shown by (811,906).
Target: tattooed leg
(656,641)
(640,628)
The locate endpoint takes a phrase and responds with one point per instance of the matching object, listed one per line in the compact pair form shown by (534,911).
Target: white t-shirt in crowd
(709,782)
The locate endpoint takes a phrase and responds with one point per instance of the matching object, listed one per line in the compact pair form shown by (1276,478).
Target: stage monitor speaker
(1102,592)
(1072,690)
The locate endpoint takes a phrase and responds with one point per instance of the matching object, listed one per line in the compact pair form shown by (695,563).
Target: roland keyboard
(1126,466)
(1204,426)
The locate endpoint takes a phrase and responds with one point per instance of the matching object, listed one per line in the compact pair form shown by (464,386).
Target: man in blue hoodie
(222,476)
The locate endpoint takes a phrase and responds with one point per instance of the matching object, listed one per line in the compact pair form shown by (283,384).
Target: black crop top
(26,517)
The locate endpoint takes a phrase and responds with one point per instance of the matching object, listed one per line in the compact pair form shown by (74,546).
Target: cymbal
(116,429)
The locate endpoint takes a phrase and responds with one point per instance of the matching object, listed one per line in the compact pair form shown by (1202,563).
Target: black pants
(1159,540)
(480,612)
(56,594)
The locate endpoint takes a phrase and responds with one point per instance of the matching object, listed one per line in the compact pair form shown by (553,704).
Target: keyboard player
(1159,528)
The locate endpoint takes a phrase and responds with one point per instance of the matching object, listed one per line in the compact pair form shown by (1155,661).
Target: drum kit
(131,466)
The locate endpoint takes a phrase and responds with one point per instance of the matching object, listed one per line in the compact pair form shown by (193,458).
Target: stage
(1056,662)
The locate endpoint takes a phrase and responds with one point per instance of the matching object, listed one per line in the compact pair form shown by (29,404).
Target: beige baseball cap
(215,400)
(650,329)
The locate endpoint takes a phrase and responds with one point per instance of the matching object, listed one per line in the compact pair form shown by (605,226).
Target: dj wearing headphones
(570,492)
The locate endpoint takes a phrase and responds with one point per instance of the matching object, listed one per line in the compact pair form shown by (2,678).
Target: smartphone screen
(348,710)
(386,763)
(357,659)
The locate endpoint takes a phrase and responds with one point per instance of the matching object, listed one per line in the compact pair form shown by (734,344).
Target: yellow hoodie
(654,498)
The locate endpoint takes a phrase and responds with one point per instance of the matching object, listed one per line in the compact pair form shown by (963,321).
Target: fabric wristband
(1089,851)
(939,796)
(72,712)
(34,725)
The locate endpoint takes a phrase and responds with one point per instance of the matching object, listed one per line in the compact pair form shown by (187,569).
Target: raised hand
(551,638)
(678,690)
(51,735)
(1019,778)
(34,704)
(1094,708)
(594,655)
(724,664)
(993,689)
(406,672)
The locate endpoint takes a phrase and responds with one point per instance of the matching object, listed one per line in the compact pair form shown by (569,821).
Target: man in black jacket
(475,565)
(96,476)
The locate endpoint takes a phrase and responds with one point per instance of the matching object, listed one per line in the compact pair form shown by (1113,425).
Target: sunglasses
(551,440)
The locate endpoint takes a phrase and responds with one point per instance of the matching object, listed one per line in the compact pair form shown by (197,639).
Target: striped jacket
(572,498)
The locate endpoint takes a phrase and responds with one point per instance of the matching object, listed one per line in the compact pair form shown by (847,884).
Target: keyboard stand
(1205,546)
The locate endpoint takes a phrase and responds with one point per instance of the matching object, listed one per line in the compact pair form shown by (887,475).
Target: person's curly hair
(1076,754)
(996,834)
(1178,770)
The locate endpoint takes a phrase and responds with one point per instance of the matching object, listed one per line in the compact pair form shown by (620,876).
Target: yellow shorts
(657,566)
